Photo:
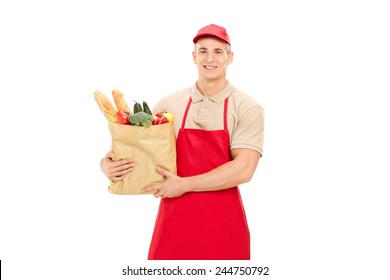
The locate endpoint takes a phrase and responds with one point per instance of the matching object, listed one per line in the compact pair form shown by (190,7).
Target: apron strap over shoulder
(225,109)
(185,113)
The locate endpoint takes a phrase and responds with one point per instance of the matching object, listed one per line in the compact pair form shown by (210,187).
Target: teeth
(210,67)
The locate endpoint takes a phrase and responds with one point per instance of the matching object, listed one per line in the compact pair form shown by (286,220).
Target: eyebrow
(216,49)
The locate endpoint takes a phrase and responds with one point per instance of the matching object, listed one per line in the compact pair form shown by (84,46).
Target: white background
(317,206)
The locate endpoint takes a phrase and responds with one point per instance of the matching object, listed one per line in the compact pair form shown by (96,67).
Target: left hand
(173,186)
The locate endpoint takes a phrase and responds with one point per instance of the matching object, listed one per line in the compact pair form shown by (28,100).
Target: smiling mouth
(209,67)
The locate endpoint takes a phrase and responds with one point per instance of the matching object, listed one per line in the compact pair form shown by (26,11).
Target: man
(219,143)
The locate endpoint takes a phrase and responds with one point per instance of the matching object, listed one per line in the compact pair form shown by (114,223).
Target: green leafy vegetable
(141,119)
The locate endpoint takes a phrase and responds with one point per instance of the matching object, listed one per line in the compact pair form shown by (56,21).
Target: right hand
(116,170)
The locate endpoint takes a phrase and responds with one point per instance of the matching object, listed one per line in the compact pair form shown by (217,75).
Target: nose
(210,57)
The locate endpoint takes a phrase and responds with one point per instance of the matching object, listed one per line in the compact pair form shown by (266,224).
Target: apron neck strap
(186,112)
(225,109)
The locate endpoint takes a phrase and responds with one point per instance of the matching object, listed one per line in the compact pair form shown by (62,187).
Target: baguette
(105,105)
(120,102)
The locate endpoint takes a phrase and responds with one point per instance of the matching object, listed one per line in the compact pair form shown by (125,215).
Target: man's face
(212,58)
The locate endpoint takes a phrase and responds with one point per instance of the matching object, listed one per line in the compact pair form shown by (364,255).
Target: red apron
(208,225)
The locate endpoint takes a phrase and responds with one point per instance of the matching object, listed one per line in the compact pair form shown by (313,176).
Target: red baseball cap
(213,30)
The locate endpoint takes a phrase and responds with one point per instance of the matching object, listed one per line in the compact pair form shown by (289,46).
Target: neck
(210,88)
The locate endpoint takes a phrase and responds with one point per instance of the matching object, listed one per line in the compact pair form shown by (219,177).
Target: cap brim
(209,35)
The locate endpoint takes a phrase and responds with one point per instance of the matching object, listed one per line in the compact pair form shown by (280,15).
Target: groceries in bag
(138,134)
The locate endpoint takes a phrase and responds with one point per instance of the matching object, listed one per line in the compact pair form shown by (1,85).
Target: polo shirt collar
(220,97)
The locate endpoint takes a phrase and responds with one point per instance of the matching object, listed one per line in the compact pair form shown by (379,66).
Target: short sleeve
(249,129)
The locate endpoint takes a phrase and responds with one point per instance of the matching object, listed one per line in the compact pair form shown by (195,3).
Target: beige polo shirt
(245,115)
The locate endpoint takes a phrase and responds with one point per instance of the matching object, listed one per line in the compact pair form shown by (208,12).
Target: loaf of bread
(105,105)
(120,102)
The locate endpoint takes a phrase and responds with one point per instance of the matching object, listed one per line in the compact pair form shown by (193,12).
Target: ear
(230,58)
(194,56)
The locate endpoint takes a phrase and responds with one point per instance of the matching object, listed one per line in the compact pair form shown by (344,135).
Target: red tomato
(122,117)
(159,119)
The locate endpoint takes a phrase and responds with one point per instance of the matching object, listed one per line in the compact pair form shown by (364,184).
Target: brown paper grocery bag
(148,147)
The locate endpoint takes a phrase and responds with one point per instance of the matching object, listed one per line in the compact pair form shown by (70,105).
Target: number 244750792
(242,270)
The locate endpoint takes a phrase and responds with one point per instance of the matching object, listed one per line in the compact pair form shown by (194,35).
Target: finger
(145,190)
(122,162)
(158,194)
(122,173)
(123,167)
(119,175)
(120,169)
(110,155)
(120,178)
(163,171)
(150,189)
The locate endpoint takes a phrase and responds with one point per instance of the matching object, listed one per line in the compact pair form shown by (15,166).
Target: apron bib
(208,225)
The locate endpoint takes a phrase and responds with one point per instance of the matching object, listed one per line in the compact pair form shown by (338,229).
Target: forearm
(230,174)
(238,171)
